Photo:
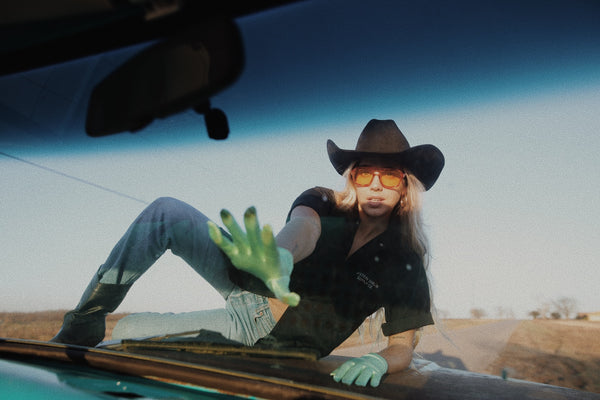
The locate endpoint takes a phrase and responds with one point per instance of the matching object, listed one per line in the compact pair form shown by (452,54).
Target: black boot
(86,324)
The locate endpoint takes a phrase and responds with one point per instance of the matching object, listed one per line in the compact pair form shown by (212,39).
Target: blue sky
(513,219)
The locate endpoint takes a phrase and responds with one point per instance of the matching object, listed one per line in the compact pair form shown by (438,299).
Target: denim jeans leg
(172,224)
(251,316)
(245,319)
(167,223)
(148,324)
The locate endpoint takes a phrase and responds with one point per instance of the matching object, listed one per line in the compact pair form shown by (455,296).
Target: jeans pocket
(263,320)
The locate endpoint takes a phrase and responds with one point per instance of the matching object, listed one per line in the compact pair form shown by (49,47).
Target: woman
(347,254)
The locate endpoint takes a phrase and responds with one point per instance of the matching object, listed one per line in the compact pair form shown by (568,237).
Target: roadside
(561,353)
(471,348)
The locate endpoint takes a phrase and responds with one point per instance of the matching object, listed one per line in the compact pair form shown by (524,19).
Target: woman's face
(378,189)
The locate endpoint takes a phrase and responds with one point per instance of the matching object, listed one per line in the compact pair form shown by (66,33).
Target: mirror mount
(215,120)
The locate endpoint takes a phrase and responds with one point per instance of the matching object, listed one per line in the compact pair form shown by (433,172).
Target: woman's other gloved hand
(255,251)
(360,371)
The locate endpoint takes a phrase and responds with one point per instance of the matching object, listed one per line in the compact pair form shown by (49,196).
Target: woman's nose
(376,184)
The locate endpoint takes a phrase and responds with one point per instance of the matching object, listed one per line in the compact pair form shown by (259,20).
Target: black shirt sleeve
(320,199)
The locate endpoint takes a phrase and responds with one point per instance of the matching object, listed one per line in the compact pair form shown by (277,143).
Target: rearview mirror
(168,77)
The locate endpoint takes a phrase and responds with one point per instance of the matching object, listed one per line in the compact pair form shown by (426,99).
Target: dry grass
(562,353)
(42,325)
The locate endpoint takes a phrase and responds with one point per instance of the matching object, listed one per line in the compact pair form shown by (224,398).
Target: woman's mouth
(375,201)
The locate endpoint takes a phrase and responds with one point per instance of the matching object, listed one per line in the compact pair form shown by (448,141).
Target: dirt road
(472,348)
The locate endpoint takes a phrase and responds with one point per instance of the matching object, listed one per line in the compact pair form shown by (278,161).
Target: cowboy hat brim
(425,161)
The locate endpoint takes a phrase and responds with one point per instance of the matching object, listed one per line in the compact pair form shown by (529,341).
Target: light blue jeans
(168,223)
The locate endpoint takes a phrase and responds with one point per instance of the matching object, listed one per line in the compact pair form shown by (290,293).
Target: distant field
(41,325)
(562,353)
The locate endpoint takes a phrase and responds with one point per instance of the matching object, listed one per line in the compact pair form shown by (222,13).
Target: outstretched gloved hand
(256,252)
(369,367)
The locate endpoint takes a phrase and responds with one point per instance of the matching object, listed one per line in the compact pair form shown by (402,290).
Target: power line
(86,182)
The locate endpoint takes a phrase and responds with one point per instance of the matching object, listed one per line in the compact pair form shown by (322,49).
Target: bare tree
(477,313)
(565,306)
(534,314)
(545,310)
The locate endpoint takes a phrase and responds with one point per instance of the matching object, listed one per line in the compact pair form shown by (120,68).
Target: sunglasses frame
(378,171)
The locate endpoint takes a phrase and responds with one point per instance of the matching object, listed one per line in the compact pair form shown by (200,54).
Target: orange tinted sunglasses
(389,178)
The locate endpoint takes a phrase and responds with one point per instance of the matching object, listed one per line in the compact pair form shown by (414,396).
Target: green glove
(256,252)
(360,370)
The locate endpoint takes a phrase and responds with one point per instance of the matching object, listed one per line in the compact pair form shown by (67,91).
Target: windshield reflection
(509,101)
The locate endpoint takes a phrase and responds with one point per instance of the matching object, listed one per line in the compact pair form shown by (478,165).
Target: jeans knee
(179,221)
(171,209)
(166,203)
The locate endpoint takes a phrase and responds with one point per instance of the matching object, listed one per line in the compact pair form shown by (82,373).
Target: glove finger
(292,299)
(352,374)
(339,372)
(253,232)
(281,290)
(364,377)
(376,379)
(271,253)
(240,240)
(222,242)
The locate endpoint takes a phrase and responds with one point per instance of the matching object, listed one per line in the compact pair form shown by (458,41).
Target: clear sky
(513,219)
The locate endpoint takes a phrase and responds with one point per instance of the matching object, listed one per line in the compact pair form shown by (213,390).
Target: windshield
(508,92)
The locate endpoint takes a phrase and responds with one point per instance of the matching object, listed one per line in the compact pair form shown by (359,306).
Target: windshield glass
(508,92)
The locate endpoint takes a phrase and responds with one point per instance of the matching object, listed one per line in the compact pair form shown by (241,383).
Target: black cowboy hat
(382,141)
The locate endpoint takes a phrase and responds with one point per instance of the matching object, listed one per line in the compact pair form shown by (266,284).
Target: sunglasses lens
(390,181)
(363,178)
